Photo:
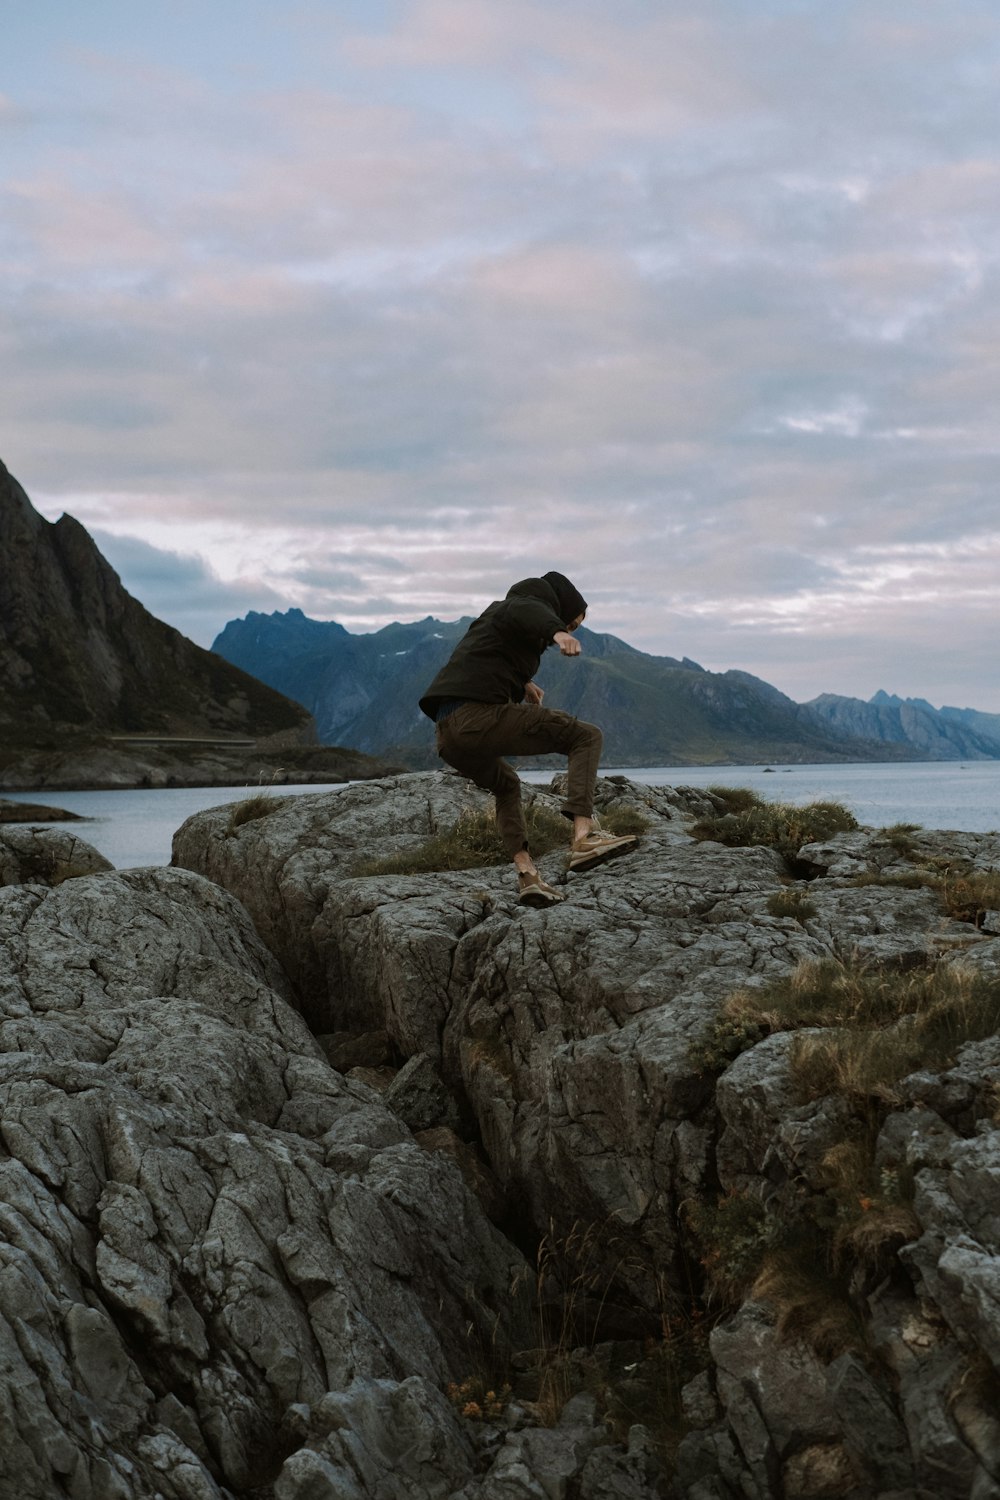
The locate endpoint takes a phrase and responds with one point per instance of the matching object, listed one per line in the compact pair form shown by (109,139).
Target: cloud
(372,311)
(182,589)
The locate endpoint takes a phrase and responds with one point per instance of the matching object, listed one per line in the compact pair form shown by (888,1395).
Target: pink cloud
(75,227)
(449,33)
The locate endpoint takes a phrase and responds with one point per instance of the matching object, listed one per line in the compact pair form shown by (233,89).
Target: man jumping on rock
(486,704)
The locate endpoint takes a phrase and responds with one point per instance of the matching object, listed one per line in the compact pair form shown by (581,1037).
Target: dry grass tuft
(260,805)
(576,1273)
(887,1025)
(472,843)
(735,799)
(734,1236)
(622,820)
(873,1239)
(968,895)
(899,835)
(792,902)
(808,1303)
(749,820)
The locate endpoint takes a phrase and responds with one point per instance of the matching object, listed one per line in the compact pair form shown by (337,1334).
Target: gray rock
(929,1371)
(885,924)
(204,1229)
(772,1147)
(965,1093)
(874,1436)
(611,1474)
(912,1139)
(870,850)
(380,1440)
(699,1402)
(958,1256)
(418,1096)
(45,856)
(711,1466)
(569,1032)
(774,1394)
(351,1049)
(555,1463)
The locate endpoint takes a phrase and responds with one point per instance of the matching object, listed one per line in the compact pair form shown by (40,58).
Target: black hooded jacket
(500,652)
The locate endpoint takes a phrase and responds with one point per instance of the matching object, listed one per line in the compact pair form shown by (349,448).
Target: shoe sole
(540,902)
(601,856)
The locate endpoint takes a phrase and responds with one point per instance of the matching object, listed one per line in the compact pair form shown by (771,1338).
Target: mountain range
(654,710)
(939,733)
(82,662)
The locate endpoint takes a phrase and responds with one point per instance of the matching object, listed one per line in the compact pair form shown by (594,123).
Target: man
(486,705)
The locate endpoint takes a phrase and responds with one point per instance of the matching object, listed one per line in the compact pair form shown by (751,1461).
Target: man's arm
(568,644)
(530,620)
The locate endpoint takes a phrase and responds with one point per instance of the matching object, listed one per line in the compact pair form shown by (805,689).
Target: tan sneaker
(597,846)
(533,891)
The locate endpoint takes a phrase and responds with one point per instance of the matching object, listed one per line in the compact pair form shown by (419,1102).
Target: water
(934,794)
(136,828)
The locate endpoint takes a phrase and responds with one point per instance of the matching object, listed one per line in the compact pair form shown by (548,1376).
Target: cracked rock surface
(566,1040)
(252,1107)
(47,856)
(208,1237)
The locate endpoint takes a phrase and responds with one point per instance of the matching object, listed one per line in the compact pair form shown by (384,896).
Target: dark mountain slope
(79,655)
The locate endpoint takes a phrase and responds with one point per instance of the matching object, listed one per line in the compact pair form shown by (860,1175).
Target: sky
(374,308)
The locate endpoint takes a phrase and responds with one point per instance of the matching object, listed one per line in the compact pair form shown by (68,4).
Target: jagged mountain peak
(79,655)
(653,710)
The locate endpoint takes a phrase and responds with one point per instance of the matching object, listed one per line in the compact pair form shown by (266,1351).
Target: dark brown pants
(474,737)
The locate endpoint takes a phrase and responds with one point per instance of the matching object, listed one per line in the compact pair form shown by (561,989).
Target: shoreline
(101,768)
(358,766)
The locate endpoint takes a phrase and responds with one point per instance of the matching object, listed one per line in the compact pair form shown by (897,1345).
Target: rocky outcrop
(288,1204)
(572,1045)
(214,1248)
(47,856)
(34,812)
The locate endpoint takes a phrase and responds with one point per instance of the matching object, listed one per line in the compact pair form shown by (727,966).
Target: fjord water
(136,828)
(935,794)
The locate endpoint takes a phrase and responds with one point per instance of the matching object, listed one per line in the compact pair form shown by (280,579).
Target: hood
(555,590)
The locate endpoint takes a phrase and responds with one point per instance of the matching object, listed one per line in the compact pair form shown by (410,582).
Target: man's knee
(505,782)
(589,735)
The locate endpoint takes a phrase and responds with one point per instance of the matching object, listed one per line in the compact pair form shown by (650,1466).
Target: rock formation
(35,812)
(45,856)
(576,1045)
(225,1269)
(322,1186)
(106,766)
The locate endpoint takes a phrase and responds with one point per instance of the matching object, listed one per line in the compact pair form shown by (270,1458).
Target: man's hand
(568,644)
(533,694)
